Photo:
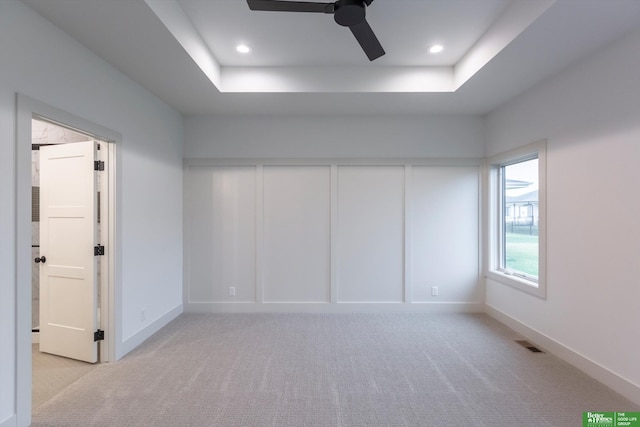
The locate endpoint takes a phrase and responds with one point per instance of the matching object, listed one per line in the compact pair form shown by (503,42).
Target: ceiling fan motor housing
(349,12)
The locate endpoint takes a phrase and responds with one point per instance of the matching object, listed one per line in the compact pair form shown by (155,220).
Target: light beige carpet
(331,370)
(52,374)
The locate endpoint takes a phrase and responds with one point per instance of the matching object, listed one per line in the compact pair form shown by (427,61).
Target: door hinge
(98,250)
(98,335)
(98,165)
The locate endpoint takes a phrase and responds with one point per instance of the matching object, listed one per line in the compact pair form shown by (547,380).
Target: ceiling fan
(348,13)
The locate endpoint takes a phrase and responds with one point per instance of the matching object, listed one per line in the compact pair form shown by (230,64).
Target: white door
(68,231)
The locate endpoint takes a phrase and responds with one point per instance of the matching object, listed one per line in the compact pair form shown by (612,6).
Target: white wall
(289,137)
(42,62)
(297,220)
(312,236)
(320,213)
(371,234)
(444,233)
(222,230)
(590,116)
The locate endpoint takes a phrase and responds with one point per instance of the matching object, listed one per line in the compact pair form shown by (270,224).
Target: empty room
(360,213)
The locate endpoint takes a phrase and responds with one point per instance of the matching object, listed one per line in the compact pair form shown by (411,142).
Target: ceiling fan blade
(368,40)
(291,6)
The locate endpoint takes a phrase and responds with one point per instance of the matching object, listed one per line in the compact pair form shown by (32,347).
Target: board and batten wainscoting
(332,235)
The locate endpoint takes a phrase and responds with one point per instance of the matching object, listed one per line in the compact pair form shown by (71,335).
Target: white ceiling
(405,28)
(183,52)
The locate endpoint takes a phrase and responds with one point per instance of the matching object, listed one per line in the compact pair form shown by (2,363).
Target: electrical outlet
(434,291)
(143,315)
(232,291)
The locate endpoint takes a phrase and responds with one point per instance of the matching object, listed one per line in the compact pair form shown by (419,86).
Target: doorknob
(41,259)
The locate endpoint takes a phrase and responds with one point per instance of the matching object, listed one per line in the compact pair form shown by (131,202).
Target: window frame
(495,233)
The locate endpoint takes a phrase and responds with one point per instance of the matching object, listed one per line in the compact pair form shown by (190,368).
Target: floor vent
(532,348)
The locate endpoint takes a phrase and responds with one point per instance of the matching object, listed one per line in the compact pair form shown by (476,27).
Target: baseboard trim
(9,422)
(612,380)
(141,336)
(345,307)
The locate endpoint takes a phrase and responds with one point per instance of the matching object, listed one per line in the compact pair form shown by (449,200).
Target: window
(519,222)
(516,216)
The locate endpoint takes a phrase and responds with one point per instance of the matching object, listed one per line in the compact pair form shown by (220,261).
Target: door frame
(28,109)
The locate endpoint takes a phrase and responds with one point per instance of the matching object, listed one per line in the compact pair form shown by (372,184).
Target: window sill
(530,287)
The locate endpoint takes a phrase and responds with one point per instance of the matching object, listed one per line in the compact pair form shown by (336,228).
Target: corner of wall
(139,337)
(9,422)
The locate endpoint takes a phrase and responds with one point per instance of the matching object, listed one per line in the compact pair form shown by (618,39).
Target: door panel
(68,285)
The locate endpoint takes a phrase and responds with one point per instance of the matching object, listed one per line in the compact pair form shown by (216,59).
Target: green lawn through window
(522,253)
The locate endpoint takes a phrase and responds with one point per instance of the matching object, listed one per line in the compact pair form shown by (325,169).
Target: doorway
(30,110)
(43,134)
(52,372)
(68,169)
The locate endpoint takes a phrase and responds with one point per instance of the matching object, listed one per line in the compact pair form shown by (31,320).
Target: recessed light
(243,48)
(436,48)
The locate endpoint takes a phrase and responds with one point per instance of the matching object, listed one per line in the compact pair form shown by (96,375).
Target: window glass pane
(520,218)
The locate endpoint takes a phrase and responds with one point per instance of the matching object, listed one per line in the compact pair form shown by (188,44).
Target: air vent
(532,348)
